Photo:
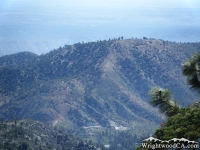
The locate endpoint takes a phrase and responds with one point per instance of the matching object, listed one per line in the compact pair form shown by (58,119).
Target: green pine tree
(191,70)
(162,98)
(181,122)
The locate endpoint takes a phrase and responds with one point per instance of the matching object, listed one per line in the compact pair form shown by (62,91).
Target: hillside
(30,134)
(103,84)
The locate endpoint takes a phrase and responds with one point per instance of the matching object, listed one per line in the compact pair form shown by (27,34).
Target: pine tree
(191,70)
(186,124)
(181,122)
(162,98)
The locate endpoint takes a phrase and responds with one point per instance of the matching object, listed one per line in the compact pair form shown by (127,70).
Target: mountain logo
(152,139)
(154,143)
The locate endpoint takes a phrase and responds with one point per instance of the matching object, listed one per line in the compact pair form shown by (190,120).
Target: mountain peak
(93,83)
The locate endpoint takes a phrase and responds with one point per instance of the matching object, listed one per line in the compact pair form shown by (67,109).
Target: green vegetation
(186,124)
(181,122)
(99,84)
(191,69)
(162,98)
(29,134)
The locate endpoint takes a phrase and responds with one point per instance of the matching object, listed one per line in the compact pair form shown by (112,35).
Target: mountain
(100,84)
(29,134)
(10,47)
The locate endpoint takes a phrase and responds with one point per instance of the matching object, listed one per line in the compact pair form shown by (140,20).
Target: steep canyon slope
(100,83)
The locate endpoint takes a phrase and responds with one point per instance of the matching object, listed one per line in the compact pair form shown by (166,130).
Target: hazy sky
(105,3)
(68,21)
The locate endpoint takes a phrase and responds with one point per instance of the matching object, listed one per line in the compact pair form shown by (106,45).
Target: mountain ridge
(95,82)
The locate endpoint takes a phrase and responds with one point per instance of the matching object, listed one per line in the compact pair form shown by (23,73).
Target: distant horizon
(57,23)
(85,42)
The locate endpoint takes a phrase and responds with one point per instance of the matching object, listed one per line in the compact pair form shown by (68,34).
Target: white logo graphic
(174,140)
(173,143)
